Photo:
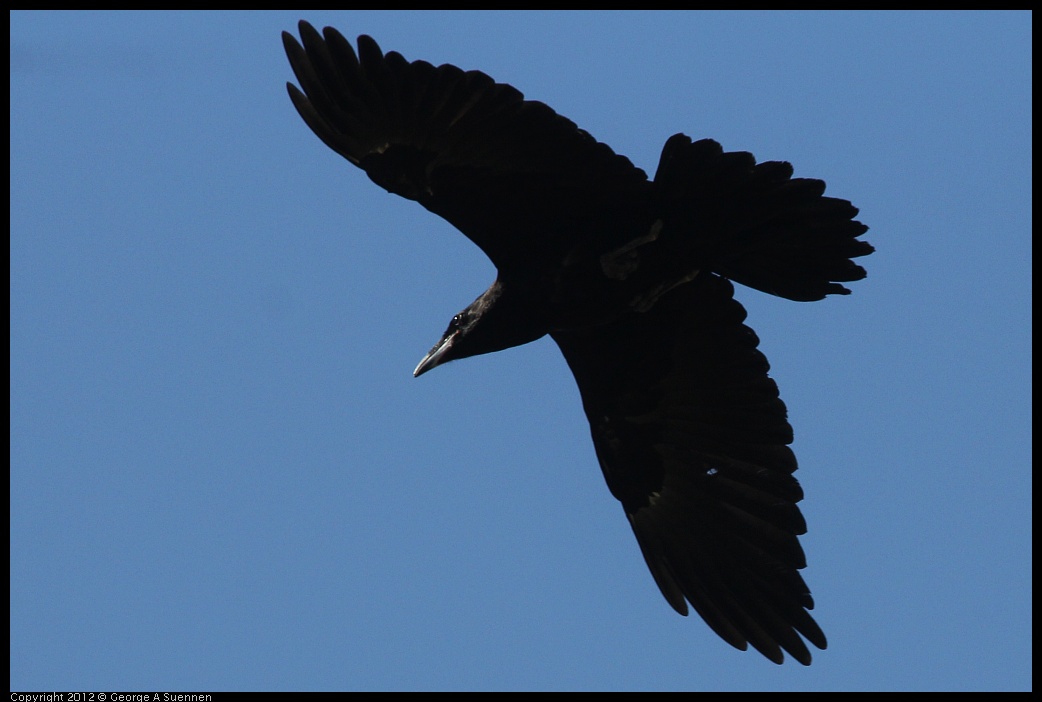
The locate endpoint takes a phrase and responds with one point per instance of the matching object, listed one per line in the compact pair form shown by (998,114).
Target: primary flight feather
(631,278)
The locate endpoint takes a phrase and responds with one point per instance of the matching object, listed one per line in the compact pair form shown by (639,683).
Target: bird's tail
(756,224)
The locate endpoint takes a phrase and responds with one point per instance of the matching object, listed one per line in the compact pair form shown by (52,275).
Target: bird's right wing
(693,440)
(514,176)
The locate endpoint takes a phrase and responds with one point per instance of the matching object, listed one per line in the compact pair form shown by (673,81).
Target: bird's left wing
(514,176)
(693,440)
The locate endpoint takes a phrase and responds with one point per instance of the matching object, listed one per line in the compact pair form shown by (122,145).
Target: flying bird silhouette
(631,279)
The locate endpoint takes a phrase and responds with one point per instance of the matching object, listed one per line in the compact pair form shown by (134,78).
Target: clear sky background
(224,476)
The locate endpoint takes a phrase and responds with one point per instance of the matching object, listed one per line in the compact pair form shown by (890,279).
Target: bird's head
(495,321)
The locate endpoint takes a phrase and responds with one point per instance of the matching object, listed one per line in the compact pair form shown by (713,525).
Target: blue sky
(224,477)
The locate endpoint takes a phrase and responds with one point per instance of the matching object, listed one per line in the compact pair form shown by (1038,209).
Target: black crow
(631,278)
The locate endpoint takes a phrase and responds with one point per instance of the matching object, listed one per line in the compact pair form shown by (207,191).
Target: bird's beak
(435,356)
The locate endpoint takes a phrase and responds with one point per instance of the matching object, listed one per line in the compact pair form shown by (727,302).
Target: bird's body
(630,277)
